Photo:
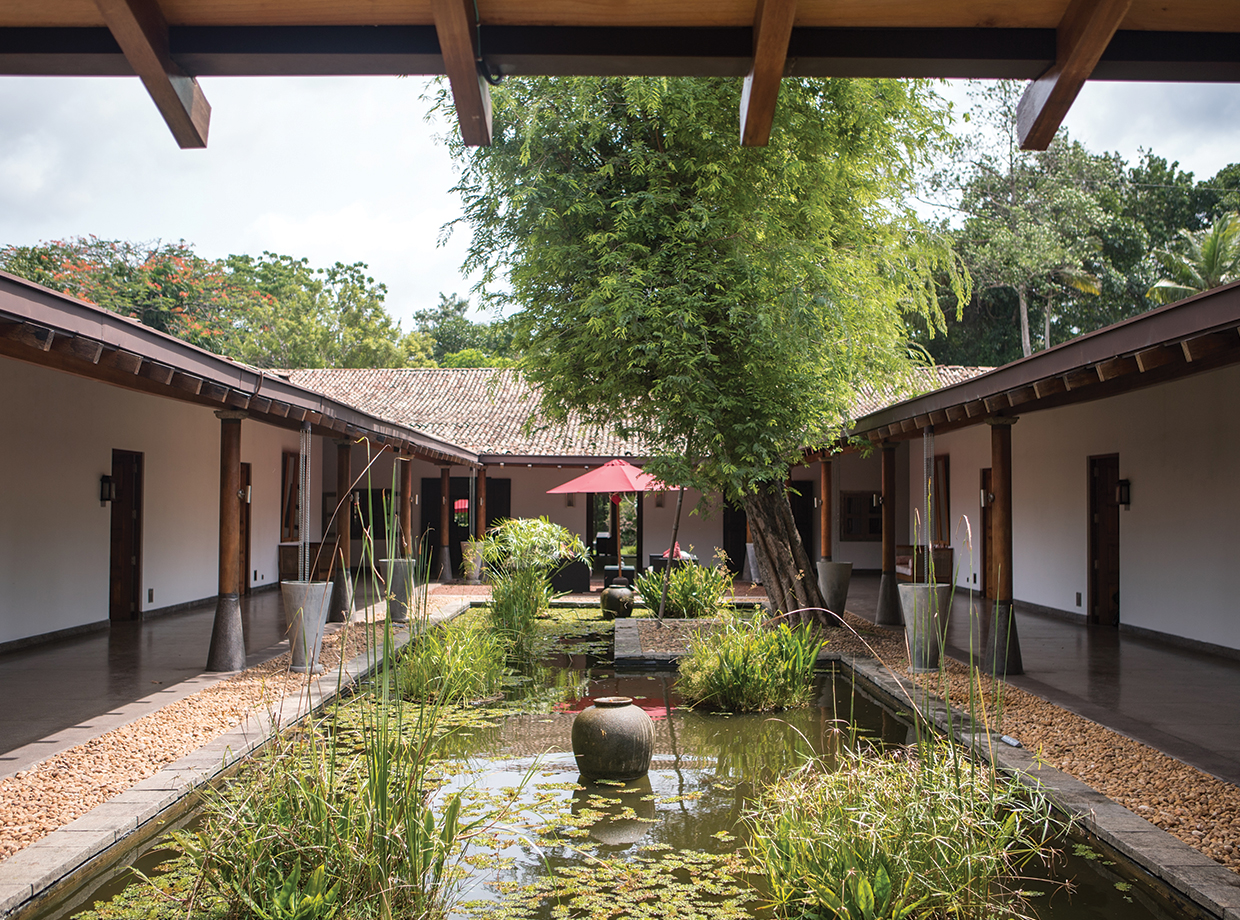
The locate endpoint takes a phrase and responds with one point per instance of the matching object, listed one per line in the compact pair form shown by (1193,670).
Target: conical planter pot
(306,604)
(399,575)
(613,739)
(925,619)
(471,562)
(833,579)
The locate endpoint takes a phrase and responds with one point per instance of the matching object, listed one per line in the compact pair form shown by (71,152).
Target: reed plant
(926,832)
(521,555)
(692,590)
(745,666)
(452,664)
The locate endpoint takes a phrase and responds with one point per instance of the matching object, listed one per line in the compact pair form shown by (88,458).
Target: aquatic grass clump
(452,664)
(744,666)
(921,833)
(692,590)
(521,556)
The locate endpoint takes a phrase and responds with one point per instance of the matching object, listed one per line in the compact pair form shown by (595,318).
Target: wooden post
(342,582)
(615,535)
(405,512)
(227,651)
(445,523)
(824,508)
(480,520)
(1003,649)
(889,612)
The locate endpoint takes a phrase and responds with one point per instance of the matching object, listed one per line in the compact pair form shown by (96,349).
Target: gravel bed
(35,802)
(1199,809)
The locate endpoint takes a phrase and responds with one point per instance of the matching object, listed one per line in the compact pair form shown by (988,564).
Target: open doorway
(247,477)
(125,571)
(1103,540)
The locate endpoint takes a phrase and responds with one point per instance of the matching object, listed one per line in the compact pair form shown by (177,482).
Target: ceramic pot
(306,604)
(925,619)
(613,739)
(617,599)
(833,579)
(399,575)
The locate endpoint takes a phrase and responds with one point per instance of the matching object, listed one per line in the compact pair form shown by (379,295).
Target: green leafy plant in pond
(692,590)
(921,833)
(744,666)
(452,664)
(521,555)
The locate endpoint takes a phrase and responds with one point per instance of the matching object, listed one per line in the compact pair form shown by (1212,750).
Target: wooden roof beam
(772,28)
(1081,38)
(141,30)
(458,42)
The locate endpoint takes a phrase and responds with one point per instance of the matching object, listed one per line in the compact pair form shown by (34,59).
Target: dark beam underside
(558,51)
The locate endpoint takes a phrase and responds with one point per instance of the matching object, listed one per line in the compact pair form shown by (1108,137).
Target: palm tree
(1207,259)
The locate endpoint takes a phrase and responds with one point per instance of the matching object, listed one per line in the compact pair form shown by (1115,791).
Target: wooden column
(824,508)
(615,535)
(889,611)
(227,651)
(342,582)
(445,523)
(1003,648)
(480,518)
(405,512)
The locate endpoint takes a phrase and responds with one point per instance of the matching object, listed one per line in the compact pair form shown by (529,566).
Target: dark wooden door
(735,535)
(990,580)
(246,479)
(1103,541)
(802,502)
(125,576)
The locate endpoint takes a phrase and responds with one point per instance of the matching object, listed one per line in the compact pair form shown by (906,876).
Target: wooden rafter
(141,31)
(772,28)
(458,42)
(1083,34)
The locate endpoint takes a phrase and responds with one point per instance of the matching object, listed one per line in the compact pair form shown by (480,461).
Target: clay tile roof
(871,398)
(485,409)
(482,409)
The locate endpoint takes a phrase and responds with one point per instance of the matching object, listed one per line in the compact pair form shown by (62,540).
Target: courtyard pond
(544,844)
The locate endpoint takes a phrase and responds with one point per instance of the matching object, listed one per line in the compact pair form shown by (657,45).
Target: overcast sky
(347,169)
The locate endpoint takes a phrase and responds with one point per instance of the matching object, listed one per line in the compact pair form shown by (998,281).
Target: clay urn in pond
(617,599)
(613,739)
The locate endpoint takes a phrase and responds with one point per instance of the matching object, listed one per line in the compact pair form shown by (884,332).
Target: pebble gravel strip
(77,803)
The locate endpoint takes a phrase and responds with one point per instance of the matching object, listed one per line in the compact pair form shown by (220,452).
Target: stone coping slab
(61,859)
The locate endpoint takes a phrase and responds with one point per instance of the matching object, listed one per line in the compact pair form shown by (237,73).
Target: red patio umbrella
(612,476)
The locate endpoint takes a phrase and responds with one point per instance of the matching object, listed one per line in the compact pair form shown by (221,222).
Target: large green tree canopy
(721,302)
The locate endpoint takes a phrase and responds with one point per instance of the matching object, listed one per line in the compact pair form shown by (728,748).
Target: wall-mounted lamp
(876,500)
(570,500)
(1123,493)
(107,490)
(986,499)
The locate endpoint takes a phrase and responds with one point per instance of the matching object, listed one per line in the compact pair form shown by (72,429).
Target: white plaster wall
(263,447)
(54,536)
(1179,541)
(854,473)
(701,525)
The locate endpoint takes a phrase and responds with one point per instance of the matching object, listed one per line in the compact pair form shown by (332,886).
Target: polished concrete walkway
(1180,701)
(64,692)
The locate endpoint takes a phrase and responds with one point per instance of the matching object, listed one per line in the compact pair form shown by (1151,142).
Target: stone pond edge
(68,855)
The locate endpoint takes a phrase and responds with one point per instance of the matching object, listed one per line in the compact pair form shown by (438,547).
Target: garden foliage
(744,666)
(692,590)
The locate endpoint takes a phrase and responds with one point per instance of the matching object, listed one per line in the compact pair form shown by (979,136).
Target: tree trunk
(1046,334)
(1022,294)
(790,579)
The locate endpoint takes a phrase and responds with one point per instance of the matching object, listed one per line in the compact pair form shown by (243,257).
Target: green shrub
(692,590)
(522,554)
(926,833)
(452,664)
(745,667)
